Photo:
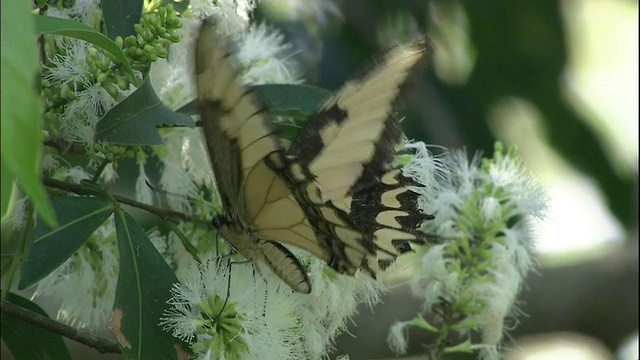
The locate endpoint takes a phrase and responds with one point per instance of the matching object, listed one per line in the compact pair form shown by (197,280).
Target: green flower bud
(102,77)
(130,41)
(162,12)
(160,30)
(161,51)
(122,83)
(102,65)
(148,36)
(138,29)
(111,57)
(92,64)
(148,50)
(111,89)
(173,36)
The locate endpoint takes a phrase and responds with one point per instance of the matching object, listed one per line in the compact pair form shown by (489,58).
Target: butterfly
(334,191)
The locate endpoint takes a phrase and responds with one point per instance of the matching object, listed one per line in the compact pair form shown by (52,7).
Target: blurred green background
(559,79)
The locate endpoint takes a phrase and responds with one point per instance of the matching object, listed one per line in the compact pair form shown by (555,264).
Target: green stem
(100,170)
(21,250)
(185,242)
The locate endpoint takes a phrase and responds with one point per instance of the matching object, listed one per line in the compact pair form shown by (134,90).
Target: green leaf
(74,29)
(135,119)
(120,16)
(144,284)
(79,217)
(181,6)
(188,109)
(26,341)
(21,132)
(17,239)
(6,182)
(296,101)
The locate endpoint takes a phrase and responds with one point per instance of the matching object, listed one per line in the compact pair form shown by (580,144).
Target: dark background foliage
(521,51)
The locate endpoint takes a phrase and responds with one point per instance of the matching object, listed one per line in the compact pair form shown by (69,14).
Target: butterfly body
(333,192)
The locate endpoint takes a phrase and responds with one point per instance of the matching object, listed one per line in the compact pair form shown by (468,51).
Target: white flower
(481,211)
(231,15)
(71,69)
(143,191)
(18,214)
(398,337)
(85,284)
(74,174)
(332,302)
(266,57)
(257,321)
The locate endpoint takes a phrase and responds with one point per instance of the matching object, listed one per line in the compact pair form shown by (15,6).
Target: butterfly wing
(270,253)
(341,166)
(350,142)
(243,151)
(237,129)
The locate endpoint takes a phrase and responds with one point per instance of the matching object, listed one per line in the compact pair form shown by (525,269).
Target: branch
(80,190)
(102,345)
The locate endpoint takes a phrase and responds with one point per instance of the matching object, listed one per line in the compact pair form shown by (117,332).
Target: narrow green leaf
(144,285)
(79,217)
(297,101)
(21,132)
(17,239)
(120,16)
(26,341)
(74,29)
(6,182)
(134,121)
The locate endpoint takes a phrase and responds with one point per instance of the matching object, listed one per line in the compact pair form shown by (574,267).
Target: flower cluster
(470,279)
(229,310)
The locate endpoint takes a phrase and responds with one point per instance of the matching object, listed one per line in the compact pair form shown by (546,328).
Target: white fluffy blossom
(481,211)
(85,284)
(249,316)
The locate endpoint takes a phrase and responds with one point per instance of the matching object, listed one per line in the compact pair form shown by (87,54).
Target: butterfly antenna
(161,191)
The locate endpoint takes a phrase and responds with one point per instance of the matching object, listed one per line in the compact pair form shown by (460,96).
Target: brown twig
(102,345)
(80,190)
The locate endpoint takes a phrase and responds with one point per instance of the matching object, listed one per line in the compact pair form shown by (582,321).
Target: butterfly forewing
(351,141)
(239,137)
